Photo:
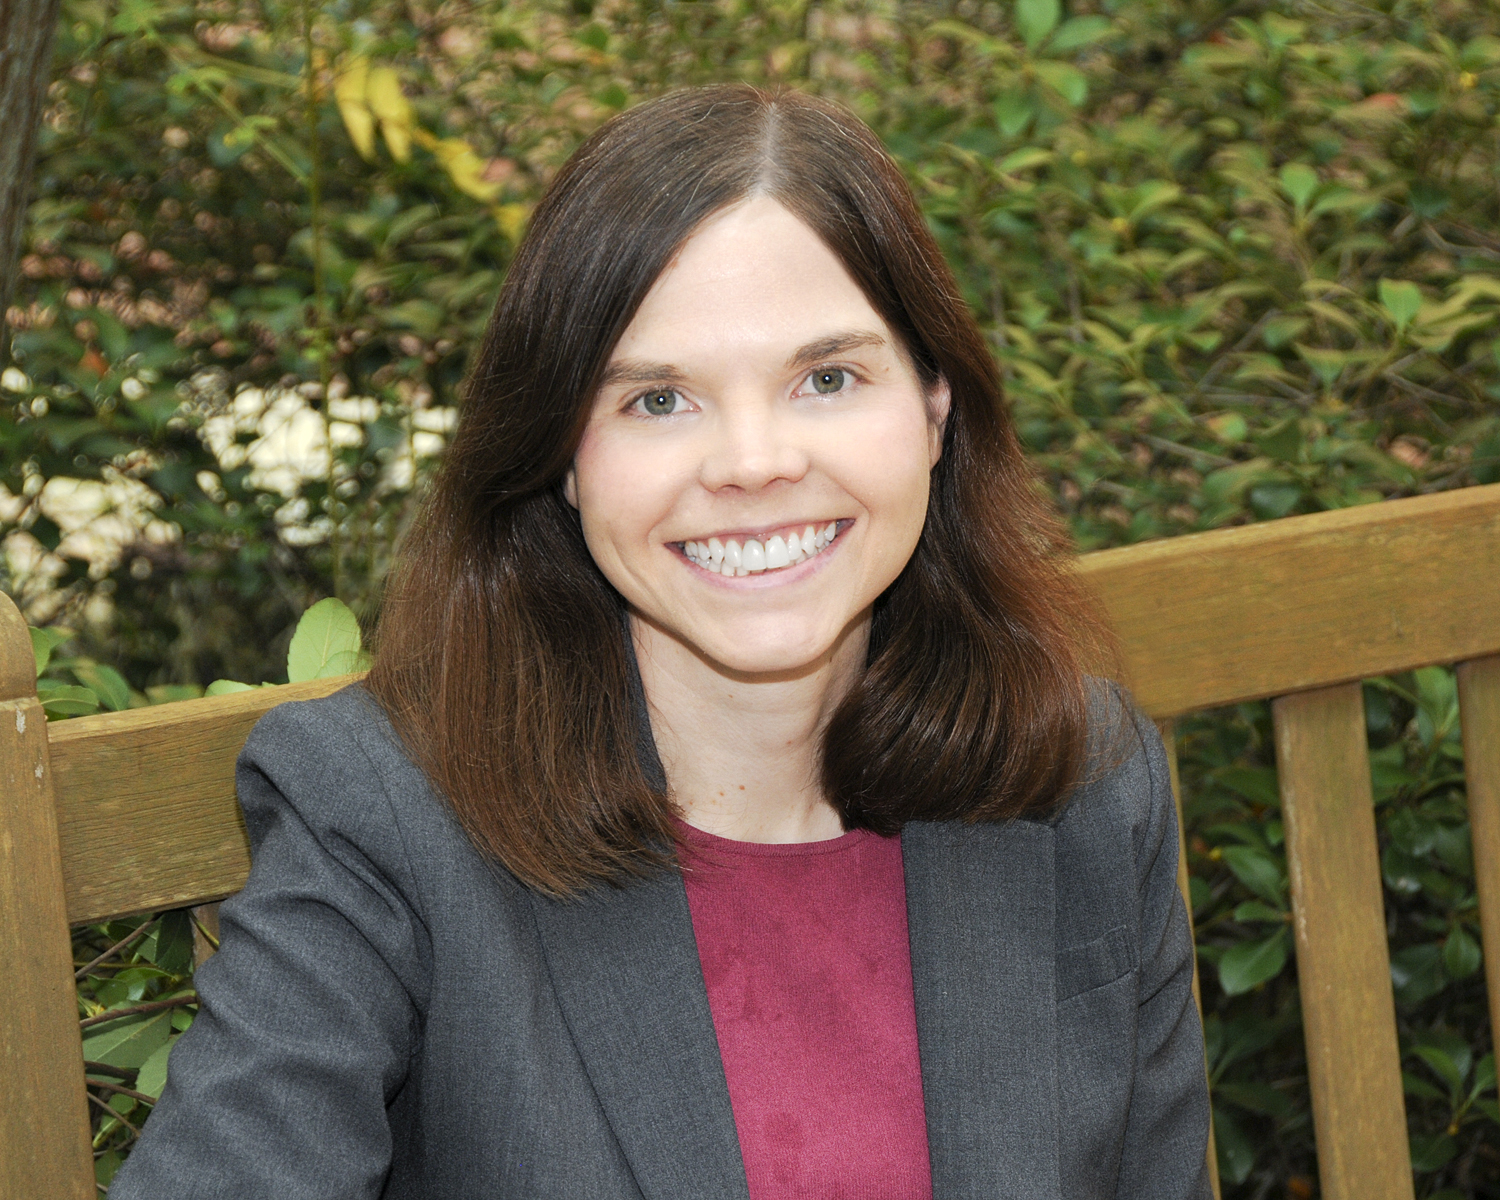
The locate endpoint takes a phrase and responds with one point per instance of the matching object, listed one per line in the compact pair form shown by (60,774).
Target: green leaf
(44,642)
(1013,111)
(1249,964)
(1431,1151)
(1272,501)
(1257,784)
(1035,19)
(1415,1085)
(1257,871)
(106,683)
(1235,1149)
(1484,1076)
(326,643)
(1327,364)
(1024,159)
(1257,1098)
(1461,955)
(173,951)
(1299,181)
(594,35)
(66,699)
(1078,32)
(1447,1053)
(1255,910)
(153,1075)
(130,1041)
(1417,973)
(1067,81)
(170,693)
(1283,441)
(1401,300)
(224,687)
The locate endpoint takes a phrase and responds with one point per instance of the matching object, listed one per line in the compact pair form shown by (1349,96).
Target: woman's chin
(777,650)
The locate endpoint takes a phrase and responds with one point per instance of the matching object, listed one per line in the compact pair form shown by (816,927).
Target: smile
(755,555)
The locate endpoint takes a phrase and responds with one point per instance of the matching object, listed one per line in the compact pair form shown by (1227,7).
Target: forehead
(753,274)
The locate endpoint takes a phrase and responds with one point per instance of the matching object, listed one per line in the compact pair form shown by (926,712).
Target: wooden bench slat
(1239,614)
(1479,710)
(146,806)
(1343,962)
(44,1127)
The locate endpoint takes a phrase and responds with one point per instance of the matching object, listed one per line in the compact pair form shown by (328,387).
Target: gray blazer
(391,1015)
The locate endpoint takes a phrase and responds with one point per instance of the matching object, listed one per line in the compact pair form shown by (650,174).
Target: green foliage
(326,643)
(1236,261)
(1242,915)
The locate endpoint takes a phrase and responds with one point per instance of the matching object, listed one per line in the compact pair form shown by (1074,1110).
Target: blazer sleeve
(309,1013)
(1166,1135)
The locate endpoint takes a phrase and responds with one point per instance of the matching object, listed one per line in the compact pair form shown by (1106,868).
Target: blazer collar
(624,965)
(980,907)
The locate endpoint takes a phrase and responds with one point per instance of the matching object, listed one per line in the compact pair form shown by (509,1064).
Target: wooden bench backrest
(133,812)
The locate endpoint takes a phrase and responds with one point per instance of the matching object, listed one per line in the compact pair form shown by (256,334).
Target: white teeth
(731,558)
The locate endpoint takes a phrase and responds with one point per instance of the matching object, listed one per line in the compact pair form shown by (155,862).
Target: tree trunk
(26,29)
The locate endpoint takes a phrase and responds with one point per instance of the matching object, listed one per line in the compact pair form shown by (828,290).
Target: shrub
(1236,260)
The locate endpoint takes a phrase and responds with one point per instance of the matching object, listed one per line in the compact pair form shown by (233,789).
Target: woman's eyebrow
(837,343)
(635,371)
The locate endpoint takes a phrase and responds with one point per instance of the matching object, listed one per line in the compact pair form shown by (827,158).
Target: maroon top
(805,954)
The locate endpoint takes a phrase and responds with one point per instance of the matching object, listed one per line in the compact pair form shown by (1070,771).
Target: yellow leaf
(397,140)
(512,220)
(389,104)
(349,94)
(465,168)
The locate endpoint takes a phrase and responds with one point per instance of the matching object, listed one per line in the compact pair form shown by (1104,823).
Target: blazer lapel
(625,968)
(979,904)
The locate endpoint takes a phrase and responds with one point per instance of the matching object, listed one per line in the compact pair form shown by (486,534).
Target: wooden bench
(134,812)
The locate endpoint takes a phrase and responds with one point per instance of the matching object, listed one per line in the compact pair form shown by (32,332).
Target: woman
(733,574)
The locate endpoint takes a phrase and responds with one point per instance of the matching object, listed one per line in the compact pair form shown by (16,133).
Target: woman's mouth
(754,555)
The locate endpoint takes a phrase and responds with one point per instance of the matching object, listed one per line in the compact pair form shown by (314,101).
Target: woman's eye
(662,403)
(828,380)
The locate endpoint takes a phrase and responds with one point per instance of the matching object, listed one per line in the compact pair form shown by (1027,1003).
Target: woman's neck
(742,753)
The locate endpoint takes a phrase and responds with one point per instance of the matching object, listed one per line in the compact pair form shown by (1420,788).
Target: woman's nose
(751,447)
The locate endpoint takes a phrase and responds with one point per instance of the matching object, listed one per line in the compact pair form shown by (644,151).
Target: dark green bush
(1237,260)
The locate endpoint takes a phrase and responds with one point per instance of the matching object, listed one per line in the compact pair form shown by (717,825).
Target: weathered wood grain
(146,805)
(1479,710)
(1343,964)
(1239,614)
(44,1126)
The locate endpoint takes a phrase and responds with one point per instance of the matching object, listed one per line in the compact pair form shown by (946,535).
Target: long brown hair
(502,656)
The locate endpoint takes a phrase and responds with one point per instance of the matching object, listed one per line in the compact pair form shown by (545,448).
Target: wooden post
(44,1125)
(1479,710)
(1168,731)
(1343,961)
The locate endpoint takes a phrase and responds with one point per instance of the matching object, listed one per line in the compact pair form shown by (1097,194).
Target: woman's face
(755,470)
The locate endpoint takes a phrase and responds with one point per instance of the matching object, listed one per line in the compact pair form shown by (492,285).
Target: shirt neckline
(701,839)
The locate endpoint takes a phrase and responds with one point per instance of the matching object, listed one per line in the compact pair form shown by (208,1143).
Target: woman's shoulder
(339,765)
(343,730)
(1126,776)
